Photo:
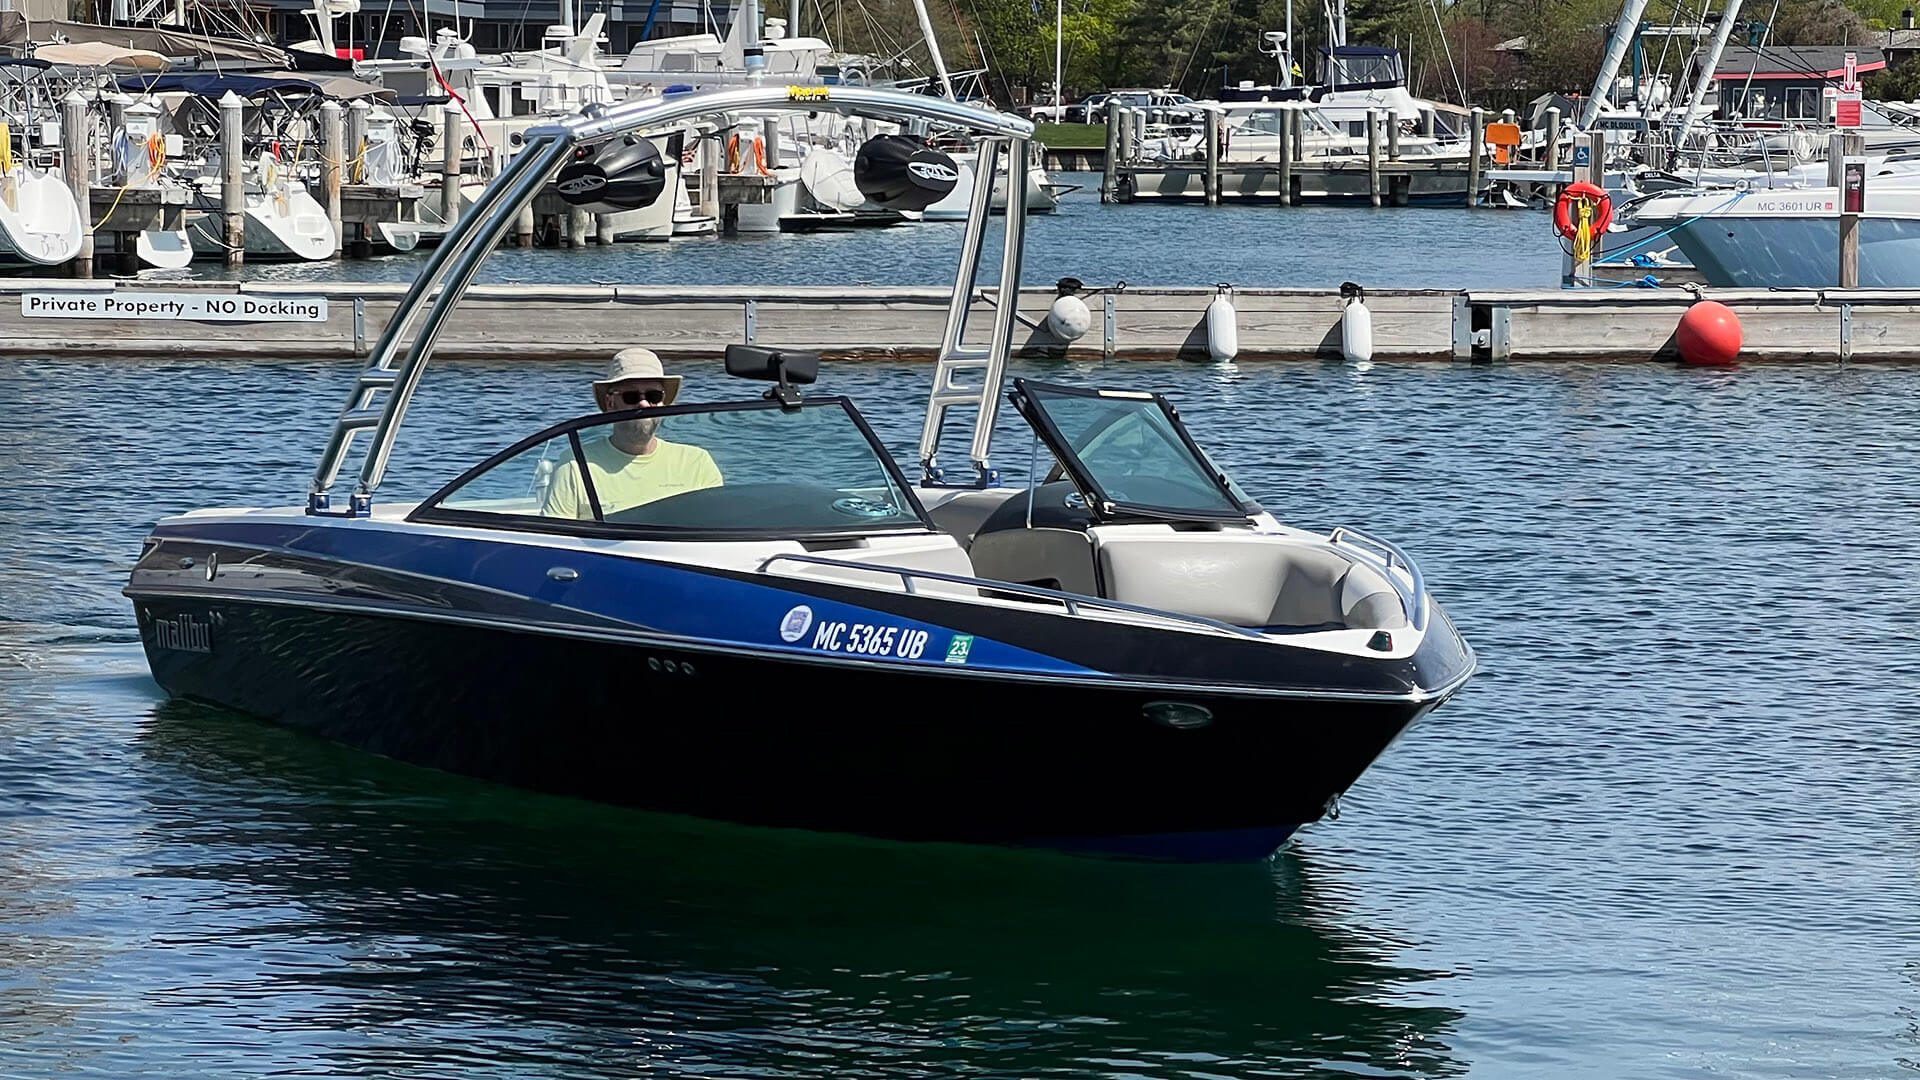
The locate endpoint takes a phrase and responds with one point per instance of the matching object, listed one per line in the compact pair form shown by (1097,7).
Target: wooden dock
(578,322)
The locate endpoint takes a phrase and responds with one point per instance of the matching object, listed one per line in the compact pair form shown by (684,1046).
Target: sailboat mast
(1704,78)
(1623,33)
(1059,20)
(933,46)
(1286,57)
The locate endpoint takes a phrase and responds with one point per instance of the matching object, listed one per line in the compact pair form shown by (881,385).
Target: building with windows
(1787,83)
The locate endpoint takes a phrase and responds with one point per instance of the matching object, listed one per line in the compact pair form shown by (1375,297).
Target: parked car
(1163,106)
(1083,111)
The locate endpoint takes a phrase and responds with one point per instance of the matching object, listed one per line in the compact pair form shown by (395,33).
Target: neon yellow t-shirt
(623,480)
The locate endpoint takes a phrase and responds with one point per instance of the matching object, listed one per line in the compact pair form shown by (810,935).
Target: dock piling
(353,165)
(233,192)
(1289,120)
(332,144)
(1476,149)
(603,229)
(1842,145)
(1552,148)
(1213,157)
(74,155)
(449,164)
(1393,137)
(1108,193)
(1373,156)
(710,175)
(577,221)
(1589,165)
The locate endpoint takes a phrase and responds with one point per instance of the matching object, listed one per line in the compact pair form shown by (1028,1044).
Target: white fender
(1068,318)
(1356,330)
(1223,329)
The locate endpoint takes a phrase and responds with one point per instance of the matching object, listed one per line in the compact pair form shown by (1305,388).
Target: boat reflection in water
(406,919)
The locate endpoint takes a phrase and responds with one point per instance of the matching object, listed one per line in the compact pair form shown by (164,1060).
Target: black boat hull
(905,753)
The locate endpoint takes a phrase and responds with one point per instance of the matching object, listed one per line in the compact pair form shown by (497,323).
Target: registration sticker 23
(863,639)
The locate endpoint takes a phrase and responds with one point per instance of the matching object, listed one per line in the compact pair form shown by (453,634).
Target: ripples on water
(1668,831)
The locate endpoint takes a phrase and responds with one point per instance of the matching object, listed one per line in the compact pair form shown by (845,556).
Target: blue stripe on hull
(678,600)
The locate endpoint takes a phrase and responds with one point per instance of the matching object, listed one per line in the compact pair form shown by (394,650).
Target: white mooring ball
(1068,318)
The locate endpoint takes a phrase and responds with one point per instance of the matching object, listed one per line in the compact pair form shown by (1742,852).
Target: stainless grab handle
(1417,599)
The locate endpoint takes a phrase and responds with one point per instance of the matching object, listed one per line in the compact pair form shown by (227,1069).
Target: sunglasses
(632,398)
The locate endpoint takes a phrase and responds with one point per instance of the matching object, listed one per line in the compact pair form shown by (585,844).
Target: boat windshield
(713,471)
(1128,453)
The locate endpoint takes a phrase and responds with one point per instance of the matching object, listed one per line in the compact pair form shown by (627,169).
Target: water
(1141,244)
(1667,832)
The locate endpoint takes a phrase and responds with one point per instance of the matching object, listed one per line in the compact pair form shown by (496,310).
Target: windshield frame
(430,510)
(1103,506)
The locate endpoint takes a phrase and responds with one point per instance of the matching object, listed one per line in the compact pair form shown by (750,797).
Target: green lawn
(1072,136)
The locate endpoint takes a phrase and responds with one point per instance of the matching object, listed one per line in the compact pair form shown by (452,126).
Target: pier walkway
(41,316)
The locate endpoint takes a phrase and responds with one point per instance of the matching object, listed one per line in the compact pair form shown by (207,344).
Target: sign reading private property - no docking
(200,307)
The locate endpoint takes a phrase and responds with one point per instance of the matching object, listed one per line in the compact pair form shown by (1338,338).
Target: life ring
(1565,212)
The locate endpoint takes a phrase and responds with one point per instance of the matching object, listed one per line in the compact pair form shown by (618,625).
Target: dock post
(523,226)
(1107,192)
(1213,158)
(603,229)
(233,192)
(332,142)
(1476,148)
(353,162)
(1393,137)
(1840,146)
(1552,151)
(1373,156)
(577,222)
(1289,119)
(1589,164)
(117,113)
(76,151)
(449,164)
(770,142)
(710,176)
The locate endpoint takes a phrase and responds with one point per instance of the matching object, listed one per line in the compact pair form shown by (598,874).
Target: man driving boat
(628,461)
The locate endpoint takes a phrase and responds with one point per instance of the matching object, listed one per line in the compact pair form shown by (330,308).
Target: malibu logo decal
(183,633)
(934,171)
(580,185)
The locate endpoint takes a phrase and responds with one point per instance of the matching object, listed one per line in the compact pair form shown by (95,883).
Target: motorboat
(1123,654)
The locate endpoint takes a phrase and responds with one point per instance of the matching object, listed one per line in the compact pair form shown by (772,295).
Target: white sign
(1791,205)
(201,307)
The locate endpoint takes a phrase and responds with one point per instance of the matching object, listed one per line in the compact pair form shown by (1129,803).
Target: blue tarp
(215,86)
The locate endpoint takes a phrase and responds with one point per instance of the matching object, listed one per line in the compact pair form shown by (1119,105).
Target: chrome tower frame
(452,266)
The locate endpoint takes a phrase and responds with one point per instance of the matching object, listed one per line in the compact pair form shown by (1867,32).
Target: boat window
(746,469)
(517,485)
(1128,448)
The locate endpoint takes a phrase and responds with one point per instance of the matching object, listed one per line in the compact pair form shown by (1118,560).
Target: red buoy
(1709,335)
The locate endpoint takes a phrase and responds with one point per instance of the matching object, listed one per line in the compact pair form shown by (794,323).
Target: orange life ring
(1565,213)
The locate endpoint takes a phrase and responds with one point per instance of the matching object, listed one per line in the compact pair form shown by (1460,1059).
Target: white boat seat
(1245,580)
(1053,553)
